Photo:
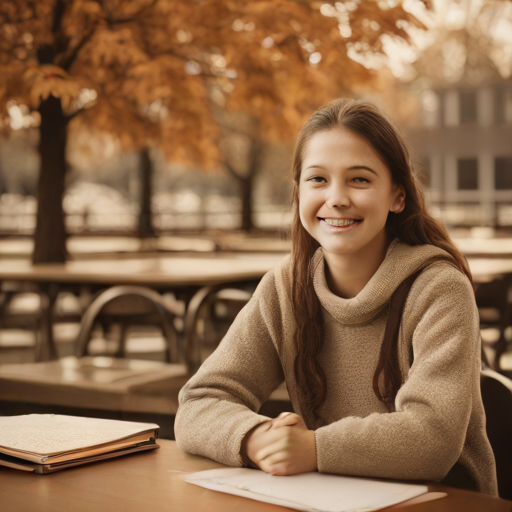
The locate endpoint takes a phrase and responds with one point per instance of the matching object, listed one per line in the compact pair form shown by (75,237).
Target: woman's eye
(316,179)
(361,180)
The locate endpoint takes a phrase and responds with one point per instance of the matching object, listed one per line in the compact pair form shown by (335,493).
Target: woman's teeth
(340,222)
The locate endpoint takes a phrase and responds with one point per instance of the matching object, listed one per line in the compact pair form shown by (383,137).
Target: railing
(271,217)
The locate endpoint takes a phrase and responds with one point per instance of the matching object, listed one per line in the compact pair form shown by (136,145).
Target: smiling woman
(371,322)
(346,192)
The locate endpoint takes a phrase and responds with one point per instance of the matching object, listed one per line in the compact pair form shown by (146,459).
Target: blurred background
(179,118)
(148,144)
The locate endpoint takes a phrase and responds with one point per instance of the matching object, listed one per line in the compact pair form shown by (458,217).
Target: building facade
(464,142)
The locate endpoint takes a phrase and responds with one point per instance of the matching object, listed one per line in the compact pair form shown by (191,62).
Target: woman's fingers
(288,419)
(278,461)
(271,449)
(276,458)
(290,451)
(277,466)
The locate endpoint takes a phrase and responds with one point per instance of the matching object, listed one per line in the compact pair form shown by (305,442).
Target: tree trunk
(146,191)
(246,182)
(246,197)
(50,234)
(3,188)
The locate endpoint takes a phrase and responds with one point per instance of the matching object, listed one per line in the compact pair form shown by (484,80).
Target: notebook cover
(43,469)
(39,437)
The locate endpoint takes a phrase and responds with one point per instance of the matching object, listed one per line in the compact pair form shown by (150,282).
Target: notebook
(44,443)
(312,492)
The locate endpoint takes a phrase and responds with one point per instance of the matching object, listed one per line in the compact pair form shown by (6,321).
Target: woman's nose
(338,197)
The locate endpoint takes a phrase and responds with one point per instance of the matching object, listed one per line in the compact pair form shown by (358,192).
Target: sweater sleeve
(425,435)
(219,404)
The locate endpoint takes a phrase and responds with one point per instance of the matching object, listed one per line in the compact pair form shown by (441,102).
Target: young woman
(371,322)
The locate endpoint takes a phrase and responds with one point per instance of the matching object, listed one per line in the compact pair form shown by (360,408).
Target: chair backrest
(497,399)
(193,339)
(113,294)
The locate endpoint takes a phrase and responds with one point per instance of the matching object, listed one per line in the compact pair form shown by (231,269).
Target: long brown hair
(414,226)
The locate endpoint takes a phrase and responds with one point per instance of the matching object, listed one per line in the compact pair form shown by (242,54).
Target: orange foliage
(157,66)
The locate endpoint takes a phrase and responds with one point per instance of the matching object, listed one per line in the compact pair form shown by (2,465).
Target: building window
(431,107)
(467,174)
(442,107)
(467,101)
(503,173)
(500,97)
(502,105)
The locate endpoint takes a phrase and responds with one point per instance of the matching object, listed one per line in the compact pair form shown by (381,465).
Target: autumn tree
(148,72)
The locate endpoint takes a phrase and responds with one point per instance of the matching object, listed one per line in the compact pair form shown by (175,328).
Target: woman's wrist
(246,461)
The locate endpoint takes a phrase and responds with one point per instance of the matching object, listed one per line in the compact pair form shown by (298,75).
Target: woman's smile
(340,225)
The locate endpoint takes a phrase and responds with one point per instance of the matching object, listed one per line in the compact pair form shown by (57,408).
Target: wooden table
(180,272)
(185,270)
(163,272)
(186,273)
(81,246)
(151,481)
(485,247)
(485,270)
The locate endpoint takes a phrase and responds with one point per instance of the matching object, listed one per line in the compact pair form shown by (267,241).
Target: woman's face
(346,193)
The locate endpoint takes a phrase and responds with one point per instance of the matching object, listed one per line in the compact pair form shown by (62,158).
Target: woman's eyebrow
(361,167)
(353,168)
(314,167)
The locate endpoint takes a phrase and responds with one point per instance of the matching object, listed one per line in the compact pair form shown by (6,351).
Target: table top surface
(193,269)
(152,481)
(101,244)
(190,269)
(78,246)
(487,269)
(485,246)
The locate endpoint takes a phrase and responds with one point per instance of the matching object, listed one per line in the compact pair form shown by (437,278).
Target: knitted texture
(437,431)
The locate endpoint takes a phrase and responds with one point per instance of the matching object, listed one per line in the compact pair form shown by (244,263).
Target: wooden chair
(106,387)
(496,392)
(210,313)
(21,306)
(204,328)
(129,305)
(494,301)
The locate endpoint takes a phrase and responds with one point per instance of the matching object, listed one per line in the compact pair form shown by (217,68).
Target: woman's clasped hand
(283,446)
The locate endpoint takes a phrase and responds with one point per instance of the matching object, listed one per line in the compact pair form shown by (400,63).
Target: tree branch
(112,21)
(74,114)
(58,14)
(64,61)
(232,171)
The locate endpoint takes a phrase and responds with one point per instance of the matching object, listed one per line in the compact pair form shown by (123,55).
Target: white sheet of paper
(312,492)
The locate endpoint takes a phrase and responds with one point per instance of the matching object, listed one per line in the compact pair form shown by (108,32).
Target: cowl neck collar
(400,262)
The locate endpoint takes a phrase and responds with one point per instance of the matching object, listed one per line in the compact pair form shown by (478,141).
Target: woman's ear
(399,202)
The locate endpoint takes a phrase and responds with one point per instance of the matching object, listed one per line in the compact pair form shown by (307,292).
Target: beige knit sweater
(438,429)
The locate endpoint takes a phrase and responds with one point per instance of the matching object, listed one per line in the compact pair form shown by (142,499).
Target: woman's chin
(360,246)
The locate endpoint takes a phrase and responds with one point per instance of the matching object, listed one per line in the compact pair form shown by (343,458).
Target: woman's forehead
(340,147)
